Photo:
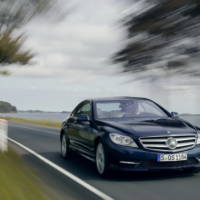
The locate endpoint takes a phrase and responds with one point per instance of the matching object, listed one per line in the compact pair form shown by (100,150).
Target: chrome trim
(172,135)
(198,159)
(80,151)
(129,163)
(159,143)
(87,157)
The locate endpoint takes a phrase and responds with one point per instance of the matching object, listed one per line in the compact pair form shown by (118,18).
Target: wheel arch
(97,140)
(62,132)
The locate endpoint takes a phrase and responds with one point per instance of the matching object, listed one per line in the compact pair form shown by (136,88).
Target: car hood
(150,127)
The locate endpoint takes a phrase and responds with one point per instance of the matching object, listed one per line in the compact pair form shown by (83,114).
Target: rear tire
(65,150)
(102,163)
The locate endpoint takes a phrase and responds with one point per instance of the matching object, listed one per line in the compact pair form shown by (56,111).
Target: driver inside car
(129,109)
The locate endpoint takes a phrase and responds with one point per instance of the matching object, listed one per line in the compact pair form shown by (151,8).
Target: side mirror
(174,114)
(83,118)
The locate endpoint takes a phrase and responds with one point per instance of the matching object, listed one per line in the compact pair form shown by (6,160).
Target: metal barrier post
(3,135)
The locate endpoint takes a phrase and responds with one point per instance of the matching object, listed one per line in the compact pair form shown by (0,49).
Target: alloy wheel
(100,159)
(64,146)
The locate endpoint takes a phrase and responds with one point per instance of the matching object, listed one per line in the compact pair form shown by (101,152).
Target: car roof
(115,98)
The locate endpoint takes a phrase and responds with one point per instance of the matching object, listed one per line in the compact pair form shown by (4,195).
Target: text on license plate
(171,157)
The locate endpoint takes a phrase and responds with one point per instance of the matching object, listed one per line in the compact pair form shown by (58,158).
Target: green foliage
(18,181)
(48,123)
(164,34)
(5,73)
(11,49)
(13,15)
(6,107)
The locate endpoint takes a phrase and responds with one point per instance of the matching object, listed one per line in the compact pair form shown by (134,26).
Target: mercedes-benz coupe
(131,134)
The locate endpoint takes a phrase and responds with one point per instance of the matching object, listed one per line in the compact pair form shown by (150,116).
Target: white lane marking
(64,172)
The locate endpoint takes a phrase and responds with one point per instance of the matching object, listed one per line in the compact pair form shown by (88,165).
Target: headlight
(198,137)
(122,140)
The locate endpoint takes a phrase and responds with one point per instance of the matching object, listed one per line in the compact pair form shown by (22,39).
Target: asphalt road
(121,186)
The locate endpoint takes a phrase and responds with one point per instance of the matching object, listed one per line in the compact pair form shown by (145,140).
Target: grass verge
(48,123)
(17,180)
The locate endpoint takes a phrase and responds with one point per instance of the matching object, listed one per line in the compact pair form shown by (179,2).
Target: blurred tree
(164,35)
(11,50)
(14,14)
(6,107)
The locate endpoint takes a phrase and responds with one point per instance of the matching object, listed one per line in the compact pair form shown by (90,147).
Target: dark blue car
(131,134)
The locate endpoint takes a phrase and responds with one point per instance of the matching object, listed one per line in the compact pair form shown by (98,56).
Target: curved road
(121,186)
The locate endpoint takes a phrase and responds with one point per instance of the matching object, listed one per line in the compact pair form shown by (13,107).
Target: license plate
(171,157)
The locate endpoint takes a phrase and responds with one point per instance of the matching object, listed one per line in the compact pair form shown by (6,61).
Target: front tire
(102,164)
(65,150)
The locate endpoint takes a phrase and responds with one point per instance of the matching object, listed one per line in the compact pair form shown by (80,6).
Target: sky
(72,62)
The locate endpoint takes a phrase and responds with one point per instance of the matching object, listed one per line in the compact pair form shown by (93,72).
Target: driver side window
(85,109)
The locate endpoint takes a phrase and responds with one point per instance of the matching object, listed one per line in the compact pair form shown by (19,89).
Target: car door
(72,128)
(85,134)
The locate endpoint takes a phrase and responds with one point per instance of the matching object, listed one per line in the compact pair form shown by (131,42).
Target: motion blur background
(56,53)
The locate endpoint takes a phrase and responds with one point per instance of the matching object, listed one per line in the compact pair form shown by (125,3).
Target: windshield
(122,109)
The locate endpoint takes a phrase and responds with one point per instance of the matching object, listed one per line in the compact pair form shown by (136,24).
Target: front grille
(161,143)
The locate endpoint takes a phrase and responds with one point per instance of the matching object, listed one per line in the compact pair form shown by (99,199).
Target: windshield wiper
(156,120)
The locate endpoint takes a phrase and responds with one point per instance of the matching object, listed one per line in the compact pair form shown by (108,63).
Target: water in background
(57,116)
(53,116)
(193,119)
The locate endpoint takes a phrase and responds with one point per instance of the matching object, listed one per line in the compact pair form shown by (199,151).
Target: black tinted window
(84,109)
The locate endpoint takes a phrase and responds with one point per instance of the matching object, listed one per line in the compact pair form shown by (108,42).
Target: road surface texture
(119,186)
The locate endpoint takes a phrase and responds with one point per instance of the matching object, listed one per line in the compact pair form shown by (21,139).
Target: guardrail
(3,135)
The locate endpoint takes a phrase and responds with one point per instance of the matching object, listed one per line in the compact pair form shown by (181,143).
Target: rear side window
(84,109)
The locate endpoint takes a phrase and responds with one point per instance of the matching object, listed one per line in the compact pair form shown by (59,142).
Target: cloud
(79,45)
(72,60)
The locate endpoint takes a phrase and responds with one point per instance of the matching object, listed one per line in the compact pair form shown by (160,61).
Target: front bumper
(136,159)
